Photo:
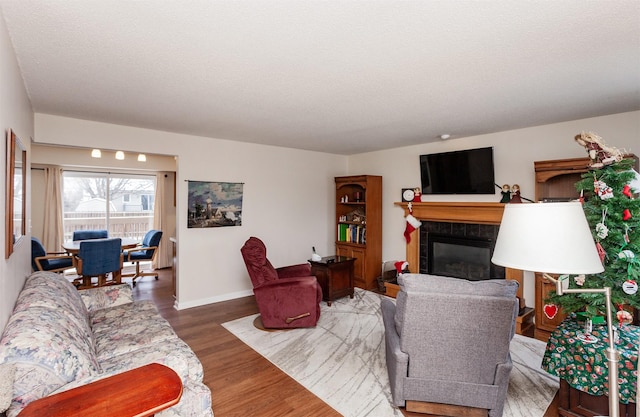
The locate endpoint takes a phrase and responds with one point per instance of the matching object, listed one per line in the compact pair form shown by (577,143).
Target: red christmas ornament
(626,214)
(601,252)
(626,190)
(550,310)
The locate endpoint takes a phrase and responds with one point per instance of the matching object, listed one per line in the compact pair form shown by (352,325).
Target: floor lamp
(555,238)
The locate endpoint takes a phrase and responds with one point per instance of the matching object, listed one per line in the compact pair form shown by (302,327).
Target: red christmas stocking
(412,224)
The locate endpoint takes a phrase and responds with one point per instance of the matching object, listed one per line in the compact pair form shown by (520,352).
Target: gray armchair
(447,344)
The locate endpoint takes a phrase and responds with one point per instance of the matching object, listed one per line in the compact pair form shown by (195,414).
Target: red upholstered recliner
(287,297)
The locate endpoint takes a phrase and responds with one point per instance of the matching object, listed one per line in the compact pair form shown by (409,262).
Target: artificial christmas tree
(612,208)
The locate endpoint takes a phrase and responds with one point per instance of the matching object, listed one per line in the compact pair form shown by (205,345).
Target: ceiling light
(445,136)
(142,157)
(120,155)
(96,153)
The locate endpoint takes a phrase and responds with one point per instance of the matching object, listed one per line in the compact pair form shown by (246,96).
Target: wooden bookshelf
(359,226)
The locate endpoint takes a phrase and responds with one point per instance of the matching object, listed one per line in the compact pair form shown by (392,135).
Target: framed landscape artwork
(214,204)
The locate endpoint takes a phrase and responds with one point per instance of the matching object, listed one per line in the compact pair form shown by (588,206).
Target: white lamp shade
(546,237)
(120,155)
(96,153)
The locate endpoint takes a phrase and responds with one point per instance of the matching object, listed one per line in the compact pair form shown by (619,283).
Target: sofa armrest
(104,297)
(139,392)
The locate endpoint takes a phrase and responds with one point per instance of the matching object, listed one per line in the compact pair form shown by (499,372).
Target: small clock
(407,194)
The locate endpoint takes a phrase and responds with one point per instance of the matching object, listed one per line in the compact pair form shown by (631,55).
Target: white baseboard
(212,300)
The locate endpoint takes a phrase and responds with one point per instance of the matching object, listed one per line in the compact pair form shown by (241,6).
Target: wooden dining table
(73,246)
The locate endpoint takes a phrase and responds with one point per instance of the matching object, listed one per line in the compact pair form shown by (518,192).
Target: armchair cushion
(289,297)
(447,285)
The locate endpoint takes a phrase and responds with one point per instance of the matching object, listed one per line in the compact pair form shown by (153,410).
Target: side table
(335,276)
(583,369)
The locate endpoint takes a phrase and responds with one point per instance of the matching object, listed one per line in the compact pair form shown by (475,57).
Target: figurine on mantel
(515,197)
(417,195)
(506,193)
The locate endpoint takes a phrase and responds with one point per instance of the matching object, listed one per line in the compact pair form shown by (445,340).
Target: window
(120,203)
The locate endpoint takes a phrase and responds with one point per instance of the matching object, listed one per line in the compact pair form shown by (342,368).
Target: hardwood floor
(242,382)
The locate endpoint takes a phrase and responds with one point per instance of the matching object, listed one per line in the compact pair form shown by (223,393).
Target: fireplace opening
(462,250)
(460,257)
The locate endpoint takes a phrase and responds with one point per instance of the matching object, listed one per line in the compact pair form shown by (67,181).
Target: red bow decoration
(626,214)
(626,190)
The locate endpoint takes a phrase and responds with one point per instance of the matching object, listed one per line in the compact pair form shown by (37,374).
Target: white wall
(15,114)
(514,154)
(288,199)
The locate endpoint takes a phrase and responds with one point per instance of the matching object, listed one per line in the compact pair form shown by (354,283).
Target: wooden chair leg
(117,276)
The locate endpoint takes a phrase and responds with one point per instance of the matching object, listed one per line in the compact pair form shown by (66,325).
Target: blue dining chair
(98,258)
(144,253)
(41,260)
(90,234)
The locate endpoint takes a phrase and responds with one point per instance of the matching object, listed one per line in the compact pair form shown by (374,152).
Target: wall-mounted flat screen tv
(468,171)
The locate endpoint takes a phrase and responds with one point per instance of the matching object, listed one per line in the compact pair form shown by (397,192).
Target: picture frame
(214,204)
(15,194)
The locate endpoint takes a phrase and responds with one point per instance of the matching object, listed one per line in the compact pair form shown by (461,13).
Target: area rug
(342,360)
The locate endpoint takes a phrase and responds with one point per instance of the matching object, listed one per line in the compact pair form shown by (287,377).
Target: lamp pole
(612,353)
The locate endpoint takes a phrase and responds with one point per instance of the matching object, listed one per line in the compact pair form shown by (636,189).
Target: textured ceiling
(337,76)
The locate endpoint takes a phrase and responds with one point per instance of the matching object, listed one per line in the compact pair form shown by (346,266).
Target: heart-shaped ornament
(550,310)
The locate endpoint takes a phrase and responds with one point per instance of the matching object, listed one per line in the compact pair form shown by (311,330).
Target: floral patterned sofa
(59,338)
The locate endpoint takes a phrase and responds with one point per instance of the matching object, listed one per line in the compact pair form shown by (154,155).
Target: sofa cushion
(52,353)
(105,319)
(448,285)
(99,298)
(128,327)
(174,353)
(53,291)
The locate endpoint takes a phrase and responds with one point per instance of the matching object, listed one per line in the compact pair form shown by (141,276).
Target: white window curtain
(164,257)
(52,224)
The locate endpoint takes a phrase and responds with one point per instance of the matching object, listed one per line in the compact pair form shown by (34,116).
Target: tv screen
(468,171)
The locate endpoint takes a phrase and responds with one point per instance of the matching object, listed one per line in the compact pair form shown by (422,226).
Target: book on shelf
(351,233)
